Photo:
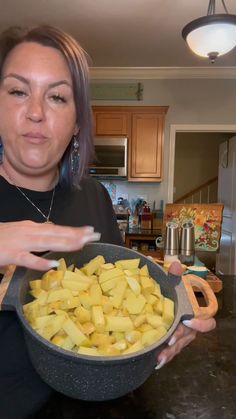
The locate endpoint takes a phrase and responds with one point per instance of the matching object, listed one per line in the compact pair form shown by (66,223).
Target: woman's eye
(58,98)
(17,92)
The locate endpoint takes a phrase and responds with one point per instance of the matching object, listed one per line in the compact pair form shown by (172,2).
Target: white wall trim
(153,73)
(188,128)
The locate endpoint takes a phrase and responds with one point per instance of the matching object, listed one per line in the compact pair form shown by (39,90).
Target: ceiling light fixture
(212,35)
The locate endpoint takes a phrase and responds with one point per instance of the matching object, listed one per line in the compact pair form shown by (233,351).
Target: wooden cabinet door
(146,147)
(110,123)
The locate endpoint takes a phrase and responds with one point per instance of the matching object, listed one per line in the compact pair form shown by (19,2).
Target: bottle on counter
(146,218)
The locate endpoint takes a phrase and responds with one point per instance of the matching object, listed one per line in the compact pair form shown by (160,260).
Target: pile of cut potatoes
(101,309)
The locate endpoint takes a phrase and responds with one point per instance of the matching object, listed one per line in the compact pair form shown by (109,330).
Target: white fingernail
(91,238)
(172,341)
(160,364)
(187,323)
(89,229)
(54,264)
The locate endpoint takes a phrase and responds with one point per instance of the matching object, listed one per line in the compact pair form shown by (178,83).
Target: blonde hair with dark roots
(76,59)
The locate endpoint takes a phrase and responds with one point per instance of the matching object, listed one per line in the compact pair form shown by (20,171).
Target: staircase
(203,194)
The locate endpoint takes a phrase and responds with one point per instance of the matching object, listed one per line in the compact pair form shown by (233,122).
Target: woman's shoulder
(91,185)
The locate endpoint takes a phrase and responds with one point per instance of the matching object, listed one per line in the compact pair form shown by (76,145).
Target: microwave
(110,159)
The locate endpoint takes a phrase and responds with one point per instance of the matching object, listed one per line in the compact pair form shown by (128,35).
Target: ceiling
(122,33)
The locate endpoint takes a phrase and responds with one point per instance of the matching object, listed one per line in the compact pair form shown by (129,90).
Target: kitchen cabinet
(144,127)
(110,123)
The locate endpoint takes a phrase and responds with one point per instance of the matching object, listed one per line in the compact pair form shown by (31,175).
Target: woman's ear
(77,130)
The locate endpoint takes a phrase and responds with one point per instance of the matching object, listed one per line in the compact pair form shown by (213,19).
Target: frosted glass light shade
(211,35)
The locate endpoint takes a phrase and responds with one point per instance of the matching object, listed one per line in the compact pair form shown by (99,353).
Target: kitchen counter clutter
(142,240)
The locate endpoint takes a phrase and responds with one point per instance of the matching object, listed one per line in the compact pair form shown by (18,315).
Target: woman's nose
(35,111)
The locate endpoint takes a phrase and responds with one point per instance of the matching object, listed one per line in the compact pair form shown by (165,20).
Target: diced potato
(158,306)
(145,327)
(117,293)
(78,277)
(74,285)
(98,318)
(133,336)
(101,339)
(168,312)
(157,290)
(127,263)
(42,321)
(107,266)
(147,283)
(85,300)
(83,350)
(93,265)
(88,328)
(51,279)
(107,305)
(62,265)
(60,294)
(52,327)
(118,336)
(95,293)
(137,346)
(108,350)
(36,284)
(154,320)
(144,271)
(134,304)
(74,332)
(109,284)
(121,345)
(70,303)
(148,308)
(102,309)
(132,272)
(134,285)
(83,314)
(151,299)
(109,274)
(151,336)
(118,324)
(139,320)
(58,340)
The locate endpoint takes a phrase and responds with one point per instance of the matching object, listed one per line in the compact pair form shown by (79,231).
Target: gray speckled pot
(85,377)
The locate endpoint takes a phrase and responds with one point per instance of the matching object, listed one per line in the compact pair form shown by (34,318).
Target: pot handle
(210,310)
(10,269)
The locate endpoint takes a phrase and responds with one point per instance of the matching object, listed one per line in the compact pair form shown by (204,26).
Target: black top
(90,205)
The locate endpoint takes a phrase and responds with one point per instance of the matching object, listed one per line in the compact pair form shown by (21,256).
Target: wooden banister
(197,190)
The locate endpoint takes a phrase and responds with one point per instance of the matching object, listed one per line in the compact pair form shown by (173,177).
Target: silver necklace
(46,217)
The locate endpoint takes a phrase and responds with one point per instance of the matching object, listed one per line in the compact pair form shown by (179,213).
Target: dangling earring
(75,156)
(1,151)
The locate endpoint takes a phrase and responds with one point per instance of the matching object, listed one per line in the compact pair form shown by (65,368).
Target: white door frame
(188,128)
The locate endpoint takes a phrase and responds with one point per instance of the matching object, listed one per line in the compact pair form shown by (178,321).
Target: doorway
(227,129)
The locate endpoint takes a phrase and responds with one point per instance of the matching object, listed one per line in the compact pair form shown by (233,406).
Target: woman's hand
(19,239)
(185,333)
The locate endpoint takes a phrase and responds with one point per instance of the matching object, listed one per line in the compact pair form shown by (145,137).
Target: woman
(46,135)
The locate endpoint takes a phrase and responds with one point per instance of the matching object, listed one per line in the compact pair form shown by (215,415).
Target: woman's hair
(76,60)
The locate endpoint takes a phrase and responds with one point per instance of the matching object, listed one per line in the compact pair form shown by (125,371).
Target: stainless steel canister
(187,243)
(171,241)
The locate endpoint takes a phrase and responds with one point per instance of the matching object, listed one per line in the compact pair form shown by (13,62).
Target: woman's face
(37,108)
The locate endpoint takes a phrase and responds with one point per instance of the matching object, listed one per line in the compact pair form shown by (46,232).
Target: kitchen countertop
(140,231)
(200,383)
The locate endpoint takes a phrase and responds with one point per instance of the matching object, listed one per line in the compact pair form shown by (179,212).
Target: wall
(191,101)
